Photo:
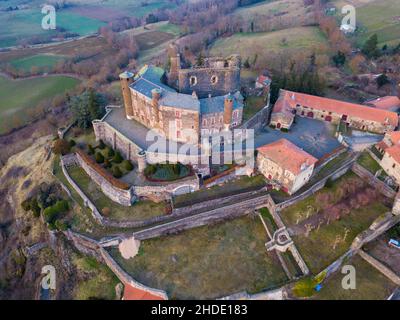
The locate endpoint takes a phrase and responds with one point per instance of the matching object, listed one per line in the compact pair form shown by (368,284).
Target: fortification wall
(116,140)
(374,181)
(123,197)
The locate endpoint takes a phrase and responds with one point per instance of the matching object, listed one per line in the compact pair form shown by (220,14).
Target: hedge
(101,171)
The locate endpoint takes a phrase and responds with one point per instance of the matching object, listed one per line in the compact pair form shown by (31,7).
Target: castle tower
(141,159)
(156,95)
(228,110)
(126,78)
(175,65)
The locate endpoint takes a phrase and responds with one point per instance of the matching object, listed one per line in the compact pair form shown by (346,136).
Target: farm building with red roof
(354,115)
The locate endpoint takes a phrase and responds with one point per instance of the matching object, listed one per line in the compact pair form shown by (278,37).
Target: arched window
(214,79)
(193,80)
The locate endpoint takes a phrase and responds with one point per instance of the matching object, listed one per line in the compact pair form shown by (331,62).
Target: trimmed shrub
(117,157)
(72,143)
(284,130)
(107,163)
(110,152)
(90,149)
(150,170)
(99,157)
(128,165)
(102,145)
(117,172)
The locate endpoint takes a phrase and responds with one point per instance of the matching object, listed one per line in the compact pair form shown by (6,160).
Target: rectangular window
(178,134)
(177,114)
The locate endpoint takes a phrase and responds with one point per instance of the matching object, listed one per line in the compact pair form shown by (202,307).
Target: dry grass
(208,262)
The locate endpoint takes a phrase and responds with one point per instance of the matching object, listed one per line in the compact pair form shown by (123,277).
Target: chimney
(228,110)
(126,78)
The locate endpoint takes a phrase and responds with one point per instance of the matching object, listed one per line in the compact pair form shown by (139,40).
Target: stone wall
(116,140)
(379,266)
(259,120)
(204,218)
(317,186)
(123,197)
(374,181)
(93,248)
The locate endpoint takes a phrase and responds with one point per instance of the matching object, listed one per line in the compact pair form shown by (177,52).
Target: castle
(183,102)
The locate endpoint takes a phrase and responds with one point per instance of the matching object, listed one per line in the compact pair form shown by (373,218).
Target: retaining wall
(374,181)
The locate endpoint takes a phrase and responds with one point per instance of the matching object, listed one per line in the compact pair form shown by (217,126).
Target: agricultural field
(81,17)
(376,16)
(325,224)
(285,8)
(370,284)
(188,265)
(271,43)
(43,62)
(19,97)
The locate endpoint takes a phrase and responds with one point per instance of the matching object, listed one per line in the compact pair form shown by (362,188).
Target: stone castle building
(181,103)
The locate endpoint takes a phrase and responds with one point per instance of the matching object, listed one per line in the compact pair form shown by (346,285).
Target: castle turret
(228,110)
(126,78)
(175,65)
(156,95)
(142,162)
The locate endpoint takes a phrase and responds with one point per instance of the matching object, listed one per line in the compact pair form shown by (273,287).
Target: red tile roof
(132,293)
(394,152)
(394,136)
(386,103)
(287,155)
(291,98)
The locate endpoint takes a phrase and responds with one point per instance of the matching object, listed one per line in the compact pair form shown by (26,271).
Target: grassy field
(208,262)
(267,43)
(376,16)
(100,281)
(370,284)
(317,249)
(252,106)
(368,163)
(84,18)
(292,8)
(19,97)
(42,61)
(141,210)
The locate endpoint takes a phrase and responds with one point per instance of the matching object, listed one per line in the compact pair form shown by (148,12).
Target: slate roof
(216,104)
(149,78)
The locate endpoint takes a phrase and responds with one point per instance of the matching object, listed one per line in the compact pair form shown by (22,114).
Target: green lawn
(368,162)
(239,185)
(20,97)
(271,43)
(42,61)
(370,284)
(208,262)
(252,106)
(141,210)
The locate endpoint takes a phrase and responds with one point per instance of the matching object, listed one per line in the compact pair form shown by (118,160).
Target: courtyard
(208,262)
(313,136)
